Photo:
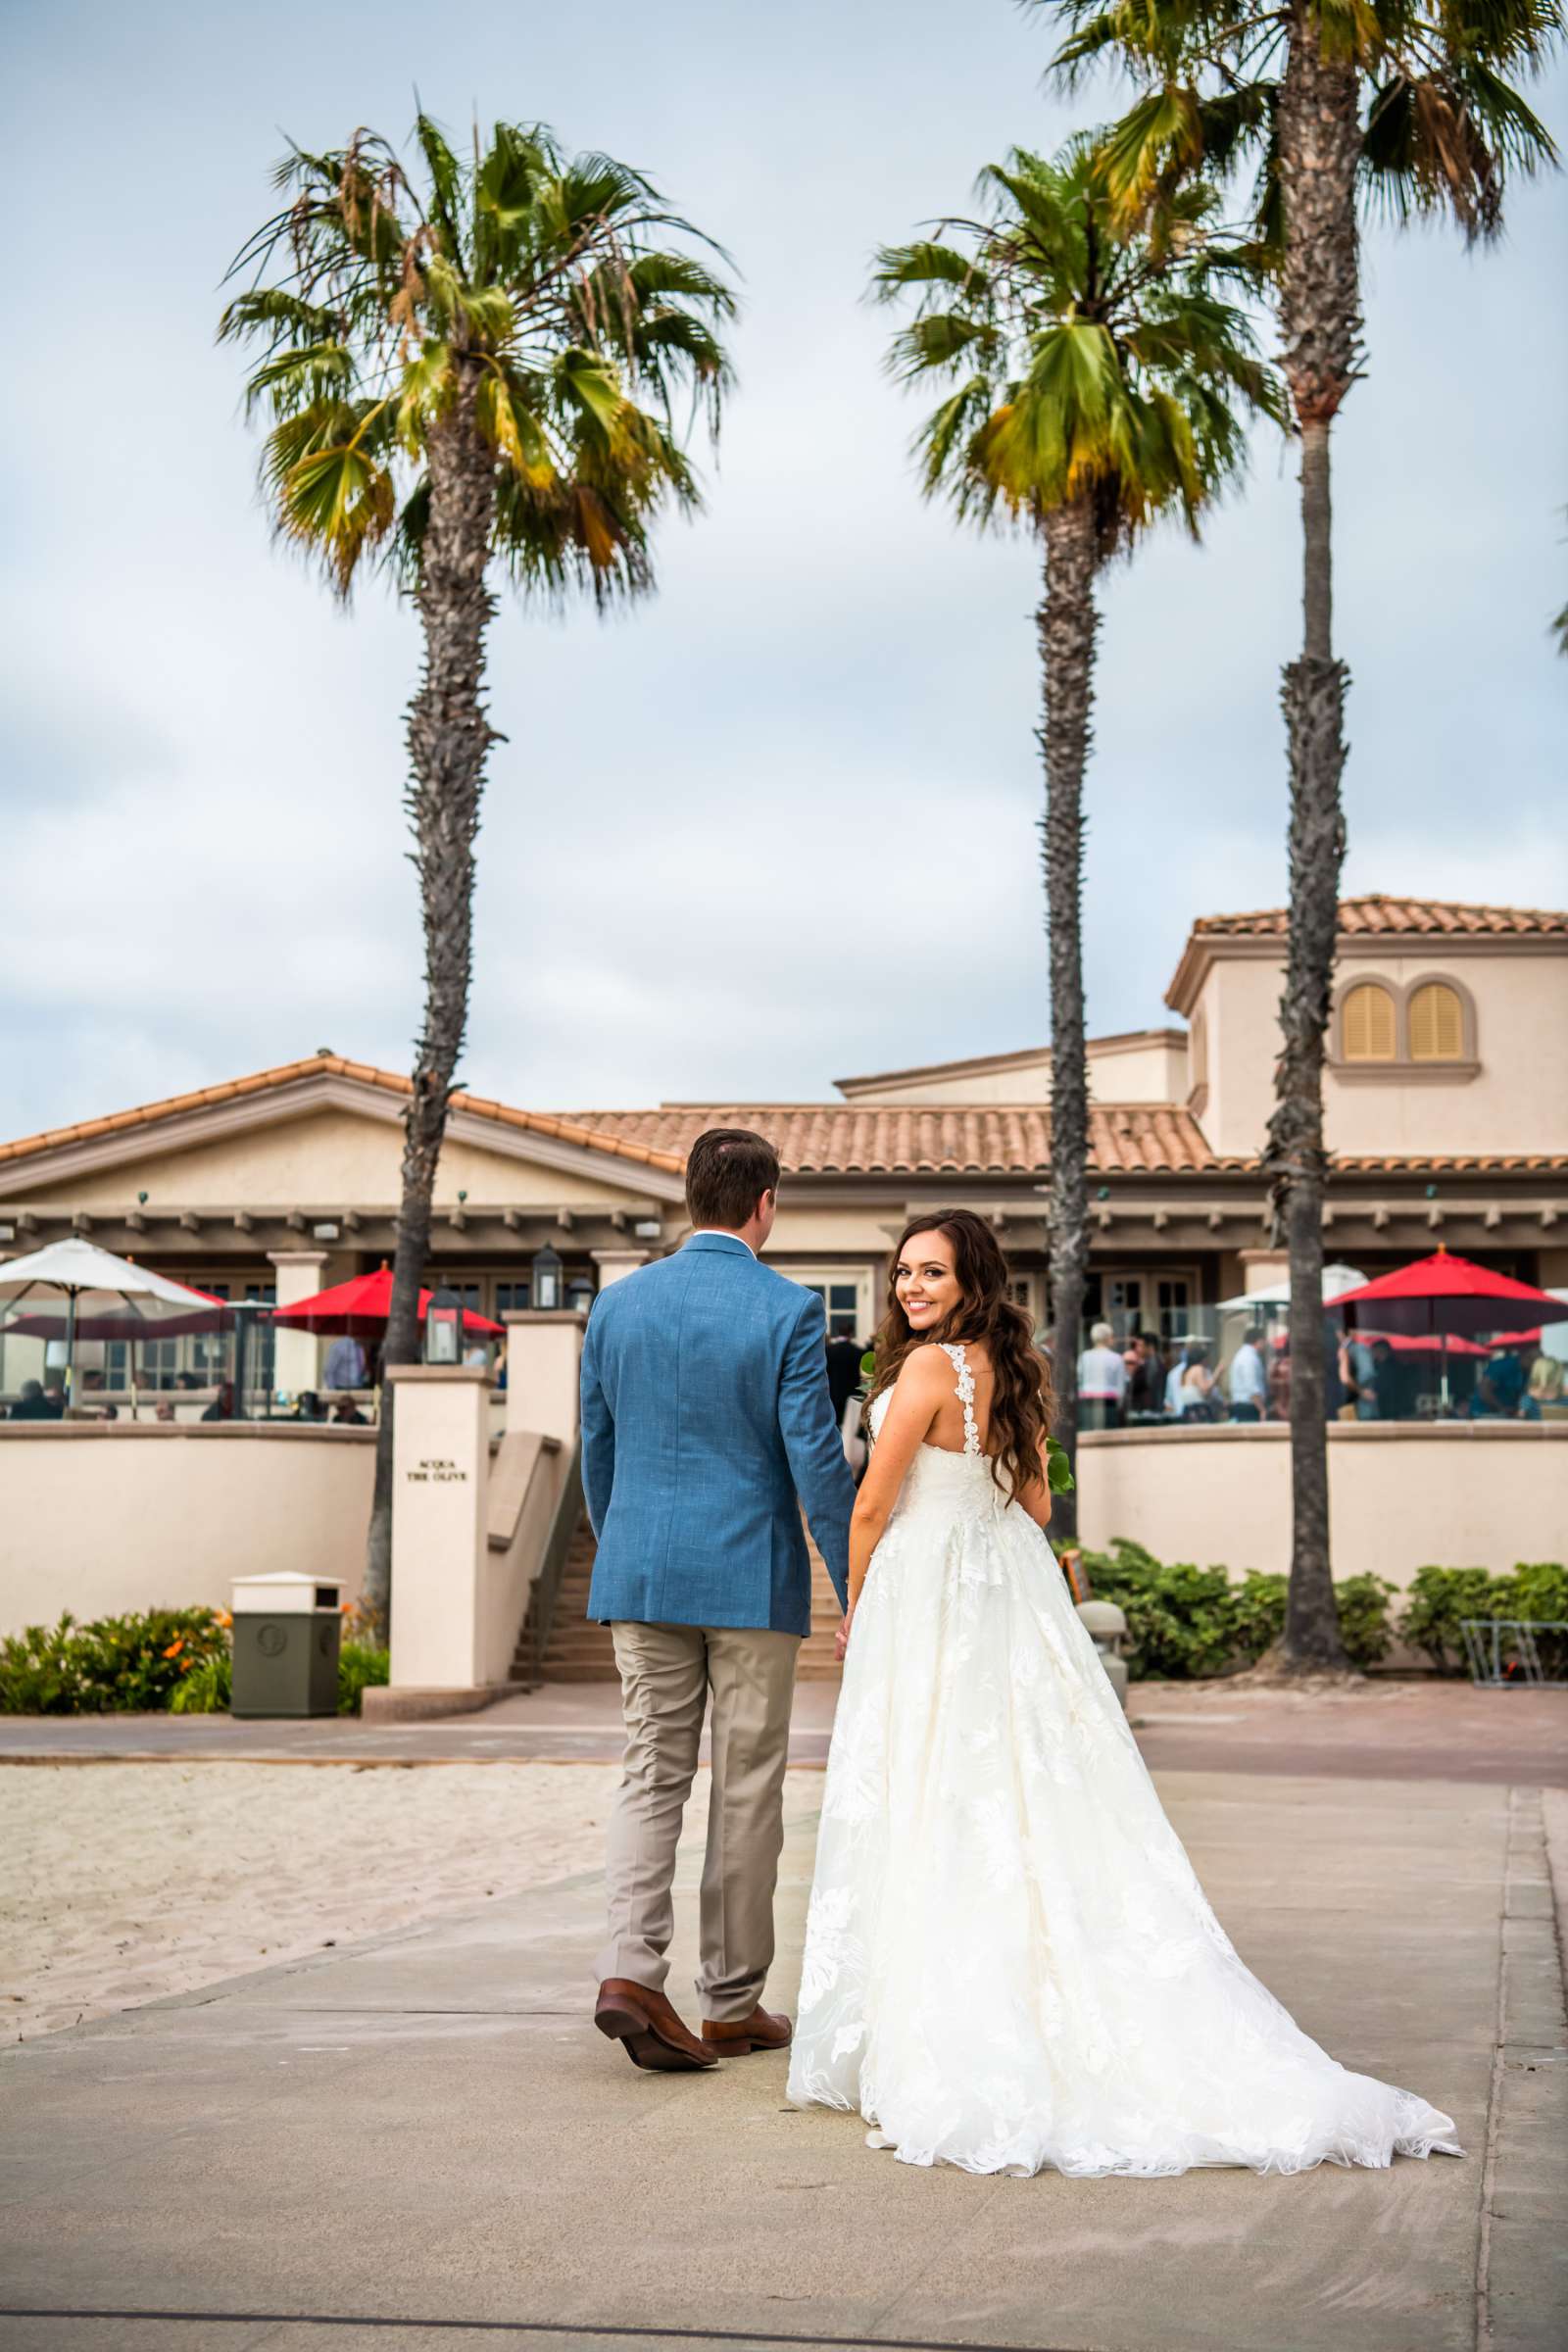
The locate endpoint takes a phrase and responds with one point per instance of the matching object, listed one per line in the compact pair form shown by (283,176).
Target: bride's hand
(842,1643)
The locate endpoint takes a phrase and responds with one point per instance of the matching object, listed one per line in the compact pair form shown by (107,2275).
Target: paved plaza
(1387,1728)
(418,2139)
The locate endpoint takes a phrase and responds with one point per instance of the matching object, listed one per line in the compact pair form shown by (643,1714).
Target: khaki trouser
(667,1673)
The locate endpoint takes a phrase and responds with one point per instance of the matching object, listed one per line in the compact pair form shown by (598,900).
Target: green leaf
(584,307)
(341,500)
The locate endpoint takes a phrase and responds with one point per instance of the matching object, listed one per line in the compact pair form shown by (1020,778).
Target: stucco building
(1448,1118)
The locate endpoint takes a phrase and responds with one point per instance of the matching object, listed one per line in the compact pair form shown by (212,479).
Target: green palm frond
(1445,125)
(298,377)
(926,264)
(941,340)
(424,392)
(1098,358)
(342,500)
(556,298)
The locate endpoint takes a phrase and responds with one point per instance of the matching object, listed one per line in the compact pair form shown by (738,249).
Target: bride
(1010,1963)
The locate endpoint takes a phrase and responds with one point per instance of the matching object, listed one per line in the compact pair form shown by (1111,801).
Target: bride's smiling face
(925,1283)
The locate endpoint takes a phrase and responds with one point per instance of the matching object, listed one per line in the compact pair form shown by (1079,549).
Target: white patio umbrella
(1335,1280)
(104,1298)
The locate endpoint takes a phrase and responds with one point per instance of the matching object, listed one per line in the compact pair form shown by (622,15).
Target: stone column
(613,1263)
(297,1355)
(1261,1269)
(544,1352)
(440,1482)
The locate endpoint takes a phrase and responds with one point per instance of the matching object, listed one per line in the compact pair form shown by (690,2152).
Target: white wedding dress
(1010,1963)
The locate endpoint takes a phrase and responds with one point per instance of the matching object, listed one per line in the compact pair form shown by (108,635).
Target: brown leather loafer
(739,2037)
(647,2028)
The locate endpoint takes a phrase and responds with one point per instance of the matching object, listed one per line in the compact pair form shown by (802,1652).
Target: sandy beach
(121,1883)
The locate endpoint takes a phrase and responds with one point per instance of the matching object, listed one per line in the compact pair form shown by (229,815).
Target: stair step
(580,1651)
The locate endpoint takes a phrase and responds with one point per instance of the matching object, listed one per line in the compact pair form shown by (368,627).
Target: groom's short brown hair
(728,1169)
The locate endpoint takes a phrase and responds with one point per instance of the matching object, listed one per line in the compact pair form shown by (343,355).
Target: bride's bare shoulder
(927,1366)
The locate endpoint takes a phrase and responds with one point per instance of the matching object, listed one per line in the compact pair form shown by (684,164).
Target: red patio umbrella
(359,1310)
(1448,1295)
(1426,1343)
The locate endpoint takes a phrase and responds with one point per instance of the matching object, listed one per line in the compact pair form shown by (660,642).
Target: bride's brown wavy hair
(1021,1396)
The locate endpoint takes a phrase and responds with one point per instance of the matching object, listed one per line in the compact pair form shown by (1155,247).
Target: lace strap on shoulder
(952,1349)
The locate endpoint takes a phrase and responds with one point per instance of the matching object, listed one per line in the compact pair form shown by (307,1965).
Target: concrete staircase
(580,1651)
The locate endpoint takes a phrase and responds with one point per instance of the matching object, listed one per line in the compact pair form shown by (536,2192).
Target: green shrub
(1437,1600)
(1179,1618)
(1364,1624)
(1538,1589)
(207,1688)
(176,1658)
(1185,1621)
(117,1665)
(1257,1613)
(360,1668)
(1440,1598)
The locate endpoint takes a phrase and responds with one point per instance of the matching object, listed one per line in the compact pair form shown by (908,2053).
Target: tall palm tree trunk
(448,738)
(1068,624)
(1319,149)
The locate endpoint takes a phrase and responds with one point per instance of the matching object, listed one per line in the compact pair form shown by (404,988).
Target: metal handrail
(1484,1648)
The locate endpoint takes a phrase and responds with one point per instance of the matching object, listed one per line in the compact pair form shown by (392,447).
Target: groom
(705,1412)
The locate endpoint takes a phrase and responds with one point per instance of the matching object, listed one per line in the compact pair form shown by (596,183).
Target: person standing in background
(1248,1389)
(1146,1374)
(345,1364)
(1102,1381)
(1195,1395)
(843,1371)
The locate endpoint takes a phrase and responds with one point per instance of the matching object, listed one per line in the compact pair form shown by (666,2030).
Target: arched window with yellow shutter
(1367,1023)
(1435,1016)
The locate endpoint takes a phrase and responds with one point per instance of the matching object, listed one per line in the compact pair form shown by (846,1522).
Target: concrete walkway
(421,2142)
(1387,1728)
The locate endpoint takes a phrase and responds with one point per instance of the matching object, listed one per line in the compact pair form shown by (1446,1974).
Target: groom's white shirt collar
(721,1232)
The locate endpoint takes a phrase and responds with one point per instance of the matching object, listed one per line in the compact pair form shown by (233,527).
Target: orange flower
(175,1646)
(223,1617)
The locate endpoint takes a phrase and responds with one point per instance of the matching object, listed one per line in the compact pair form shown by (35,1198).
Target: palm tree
(453,374)
(1405,105)
(1099,377)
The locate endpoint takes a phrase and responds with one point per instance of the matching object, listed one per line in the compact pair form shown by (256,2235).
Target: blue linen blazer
(705,1412)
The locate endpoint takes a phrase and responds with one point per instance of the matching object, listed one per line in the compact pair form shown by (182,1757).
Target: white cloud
(780,822)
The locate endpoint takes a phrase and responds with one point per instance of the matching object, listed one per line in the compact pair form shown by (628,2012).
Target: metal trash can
(1107,1626)
(287,1632)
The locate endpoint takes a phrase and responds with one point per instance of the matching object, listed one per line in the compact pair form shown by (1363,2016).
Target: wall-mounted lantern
(443,1329)
(546,1296)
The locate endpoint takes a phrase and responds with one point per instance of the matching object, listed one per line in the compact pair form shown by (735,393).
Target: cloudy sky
(778,825)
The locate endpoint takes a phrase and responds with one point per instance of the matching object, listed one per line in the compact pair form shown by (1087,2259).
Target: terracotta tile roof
(958,1139)
(1378,916)
(1442,1163)
(333,1065)
(818,1138)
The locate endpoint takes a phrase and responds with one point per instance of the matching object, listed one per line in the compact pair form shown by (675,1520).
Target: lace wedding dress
(1010,1962)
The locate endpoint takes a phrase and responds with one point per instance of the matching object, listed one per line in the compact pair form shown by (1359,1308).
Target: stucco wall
(1516,1102)
(1400,1495)
(1518,1099)
(1138,1070)
(320,1158)
(1239,1002)
(99,1518)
